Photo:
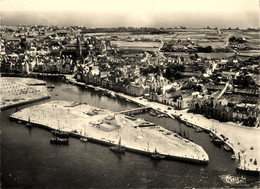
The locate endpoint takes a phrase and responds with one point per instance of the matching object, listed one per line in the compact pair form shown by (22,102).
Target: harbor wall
(106,143)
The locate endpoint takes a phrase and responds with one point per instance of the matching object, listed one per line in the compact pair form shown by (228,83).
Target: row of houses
(223,110)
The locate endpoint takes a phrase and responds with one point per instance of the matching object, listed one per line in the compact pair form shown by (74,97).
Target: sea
(28,160)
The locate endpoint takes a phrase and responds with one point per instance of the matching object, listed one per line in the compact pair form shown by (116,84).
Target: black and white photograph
(129,94)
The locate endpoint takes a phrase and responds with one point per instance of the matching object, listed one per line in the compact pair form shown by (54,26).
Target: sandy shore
(107,126)
(16,91)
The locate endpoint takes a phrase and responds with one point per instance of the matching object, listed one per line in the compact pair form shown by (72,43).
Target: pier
(98,130)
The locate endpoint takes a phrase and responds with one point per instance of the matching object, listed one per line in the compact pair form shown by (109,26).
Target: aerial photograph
(129,94)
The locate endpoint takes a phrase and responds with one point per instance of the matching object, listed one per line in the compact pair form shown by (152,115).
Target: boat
(56,94)
(197,129)
(58,140)
(51,86)
(118,148)
(157,156)
(112,94)
(60,133)
(189,124)
(217,141)
(152,113)
(233,180)
(233,157)
(83,139)
(19,121)
(227,148)
(29,124)
(188,137)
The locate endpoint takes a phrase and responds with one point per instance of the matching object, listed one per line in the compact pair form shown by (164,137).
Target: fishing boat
(58,140)
(188,137)
(157,156)
(233,157)
(59,133)
(51,86)
(29,124)
(227,148)
(83,139)
(189,124)
(233,180)
(118,148)
(19,121)
(152,113)
(197,129)
(217,141)
(112,94)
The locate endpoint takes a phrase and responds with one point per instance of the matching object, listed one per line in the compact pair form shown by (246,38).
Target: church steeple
(79,47)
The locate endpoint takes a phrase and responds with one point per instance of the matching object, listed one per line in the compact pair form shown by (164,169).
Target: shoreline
(185,156)
(175,114)
(180,115)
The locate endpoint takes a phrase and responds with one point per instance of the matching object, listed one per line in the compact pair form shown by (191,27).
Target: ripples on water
(29,160)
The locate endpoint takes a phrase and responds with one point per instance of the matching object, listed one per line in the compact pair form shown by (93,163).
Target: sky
(136,13)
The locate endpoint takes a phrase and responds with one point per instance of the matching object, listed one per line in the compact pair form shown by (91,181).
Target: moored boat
(29,124)
(60,133)
(51,86)
(197,129)
(189,124)
(118,148)
(218,142)
(58,140)
(157,156)
(233,157)
(227,148)
(83,139)
(152,113)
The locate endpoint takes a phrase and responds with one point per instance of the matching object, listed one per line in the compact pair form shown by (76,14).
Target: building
(136,89)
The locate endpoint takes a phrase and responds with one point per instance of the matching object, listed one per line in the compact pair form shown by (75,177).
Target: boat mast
(119,142)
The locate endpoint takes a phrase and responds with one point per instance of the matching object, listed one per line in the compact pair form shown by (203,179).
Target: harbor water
(28,160)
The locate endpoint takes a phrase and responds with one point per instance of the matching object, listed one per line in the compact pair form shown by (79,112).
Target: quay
(240,139)
(106,127)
